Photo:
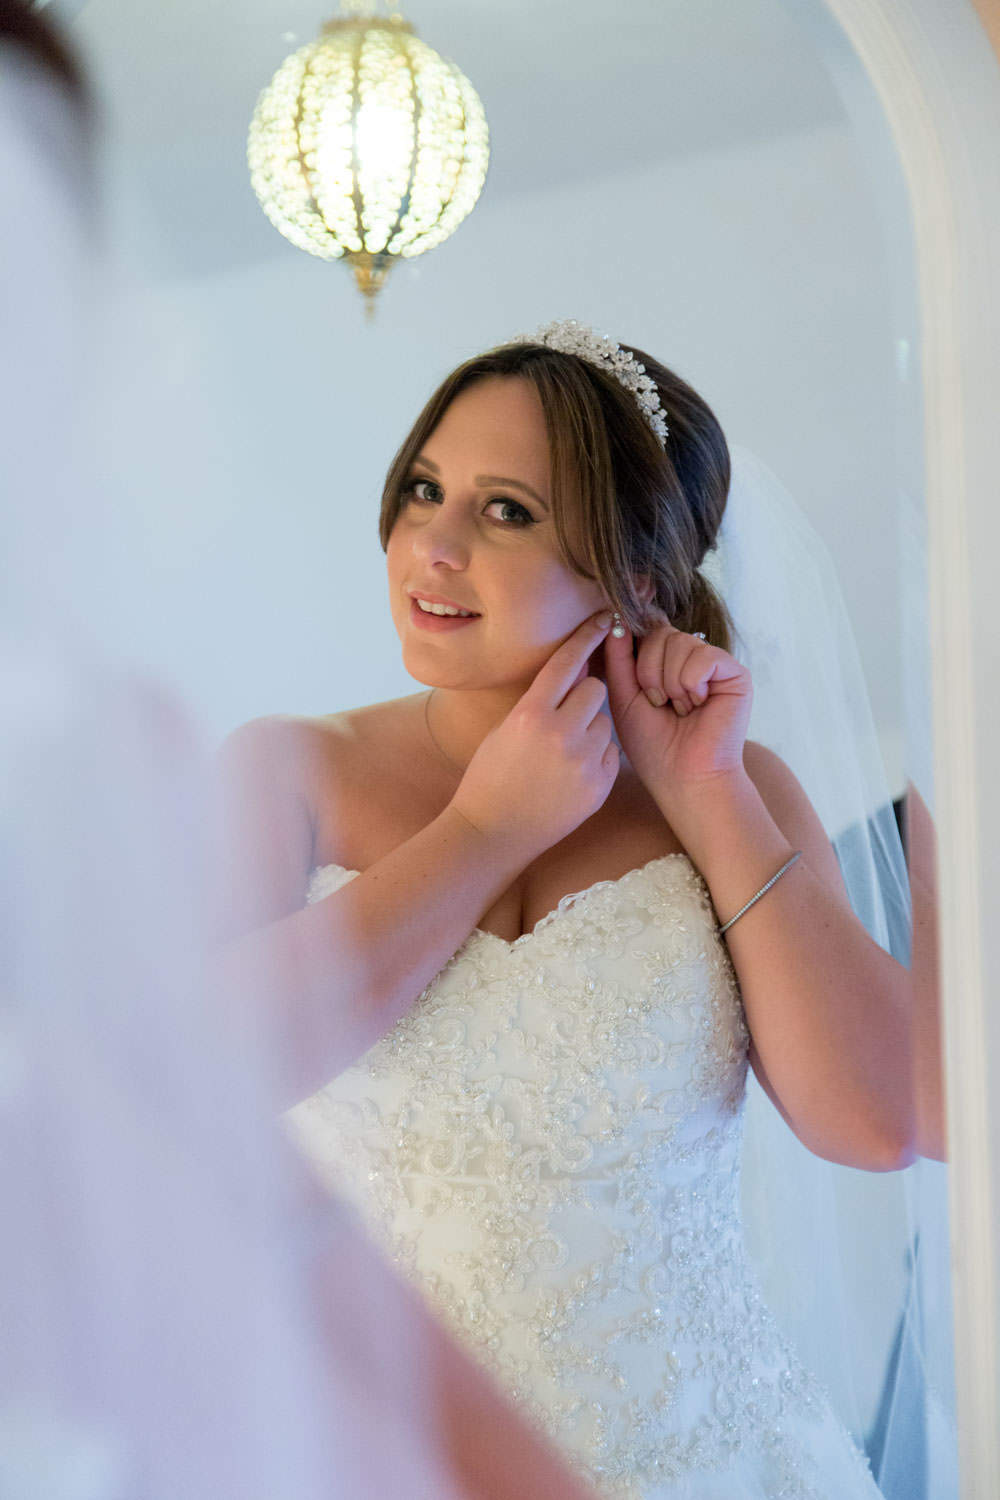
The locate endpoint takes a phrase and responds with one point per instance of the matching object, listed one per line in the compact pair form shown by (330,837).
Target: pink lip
(425,621)
(439,599)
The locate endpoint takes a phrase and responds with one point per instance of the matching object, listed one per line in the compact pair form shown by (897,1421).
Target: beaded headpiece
(571,337)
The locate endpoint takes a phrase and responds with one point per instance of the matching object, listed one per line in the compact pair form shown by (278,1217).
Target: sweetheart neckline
(549,916)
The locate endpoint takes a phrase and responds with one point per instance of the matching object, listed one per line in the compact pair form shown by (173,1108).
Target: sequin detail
(548,1145)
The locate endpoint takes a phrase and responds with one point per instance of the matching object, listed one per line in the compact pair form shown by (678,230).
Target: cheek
(396,559)
(564,600)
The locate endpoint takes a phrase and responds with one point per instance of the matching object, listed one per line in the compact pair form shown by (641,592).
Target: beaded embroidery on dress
(548,1146)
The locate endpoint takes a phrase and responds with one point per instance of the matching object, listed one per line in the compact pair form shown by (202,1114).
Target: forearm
(334,977)
(925,971)
(828,1009)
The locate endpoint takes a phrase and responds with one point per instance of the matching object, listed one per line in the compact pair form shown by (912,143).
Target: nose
(440,538)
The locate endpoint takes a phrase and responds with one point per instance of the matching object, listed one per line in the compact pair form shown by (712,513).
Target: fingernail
(603,620)
(655,698)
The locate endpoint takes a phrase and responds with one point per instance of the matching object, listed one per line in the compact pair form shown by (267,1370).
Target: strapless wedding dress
(548,1145)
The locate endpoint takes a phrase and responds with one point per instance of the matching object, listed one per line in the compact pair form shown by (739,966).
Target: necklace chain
(427,707)
(454,764)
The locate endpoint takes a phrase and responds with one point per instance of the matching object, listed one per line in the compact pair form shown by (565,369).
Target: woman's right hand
(550,764)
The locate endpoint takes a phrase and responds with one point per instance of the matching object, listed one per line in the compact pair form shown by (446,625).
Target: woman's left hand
(699,732)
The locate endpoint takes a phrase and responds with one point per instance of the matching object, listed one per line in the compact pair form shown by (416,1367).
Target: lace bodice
(548,1145)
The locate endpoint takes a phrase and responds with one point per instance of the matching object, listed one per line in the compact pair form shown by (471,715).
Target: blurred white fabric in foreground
(183,1313)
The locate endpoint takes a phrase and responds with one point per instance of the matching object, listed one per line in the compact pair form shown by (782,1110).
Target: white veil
(837,1248)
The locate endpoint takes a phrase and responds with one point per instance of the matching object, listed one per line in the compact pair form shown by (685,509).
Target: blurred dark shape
(33,30)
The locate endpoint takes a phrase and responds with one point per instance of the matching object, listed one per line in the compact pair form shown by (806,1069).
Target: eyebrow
(518,484)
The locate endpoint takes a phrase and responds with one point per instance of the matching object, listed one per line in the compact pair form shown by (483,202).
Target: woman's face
(476,527)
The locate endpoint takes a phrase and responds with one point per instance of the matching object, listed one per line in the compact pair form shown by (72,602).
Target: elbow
(884,1154)
(889,1133)
(895,1136)
(878,1146)
(933,1147)
(893,1153)
(889,1143)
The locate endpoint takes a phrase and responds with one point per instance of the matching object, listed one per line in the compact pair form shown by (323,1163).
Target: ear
(645,587)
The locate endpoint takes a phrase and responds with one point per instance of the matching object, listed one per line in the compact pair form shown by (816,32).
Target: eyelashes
(526,518)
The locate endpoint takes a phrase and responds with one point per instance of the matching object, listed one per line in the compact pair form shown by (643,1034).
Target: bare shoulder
(290,792)
(364,783)
(277,746)
(357,741)
(785,799)
(276,772)
(309,737)
(264,831)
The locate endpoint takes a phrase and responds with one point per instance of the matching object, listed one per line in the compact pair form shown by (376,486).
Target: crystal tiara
(571,337)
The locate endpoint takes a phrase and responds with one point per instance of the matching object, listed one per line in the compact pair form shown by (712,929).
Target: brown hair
(621,505)
(48,43)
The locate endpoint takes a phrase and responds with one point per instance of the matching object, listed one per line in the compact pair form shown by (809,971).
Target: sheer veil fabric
(855,1264)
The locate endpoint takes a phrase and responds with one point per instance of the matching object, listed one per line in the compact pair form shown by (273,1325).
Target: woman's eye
(414,485)
(525,518)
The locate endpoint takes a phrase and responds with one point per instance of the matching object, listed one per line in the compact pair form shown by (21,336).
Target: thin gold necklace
(454,764)
(427,706)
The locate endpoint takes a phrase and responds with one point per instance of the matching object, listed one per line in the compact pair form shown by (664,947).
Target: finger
(563,669)
(658,671)
(689,665)
(650,667)
(700,666)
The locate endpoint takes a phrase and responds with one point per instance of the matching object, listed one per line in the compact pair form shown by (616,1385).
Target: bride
(532,927)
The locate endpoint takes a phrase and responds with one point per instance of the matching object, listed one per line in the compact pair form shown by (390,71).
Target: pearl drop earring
(618,628)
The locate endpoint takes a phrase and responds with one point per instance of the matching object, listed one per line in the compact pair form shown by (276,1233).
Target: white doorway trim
(938,80)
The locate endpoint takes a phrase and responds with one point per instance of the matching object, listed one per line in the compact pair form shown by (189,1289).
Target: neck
(459,719)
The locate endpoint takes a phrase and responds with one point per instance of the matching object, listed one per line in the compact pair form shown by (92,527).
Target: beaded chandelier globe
(367,145)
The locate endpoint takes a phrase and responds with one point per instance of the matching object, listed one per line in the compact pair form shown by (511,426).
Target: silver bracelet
(760,893)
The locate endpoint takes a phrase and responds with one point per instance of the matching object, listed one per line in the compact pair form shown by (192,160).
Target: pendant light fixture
(367,145)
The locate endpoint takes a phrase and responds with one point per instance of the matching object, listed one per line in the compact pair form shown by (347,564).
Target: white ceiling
(571,91)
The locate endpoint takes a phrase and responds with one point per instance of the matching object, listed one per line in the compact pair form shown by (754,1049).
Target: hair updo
(621,504)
